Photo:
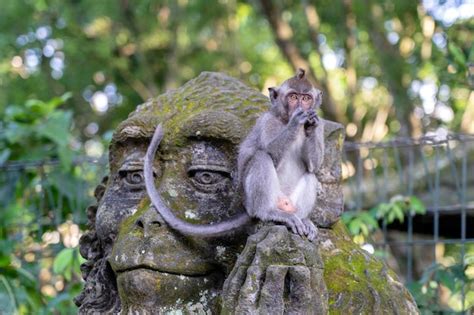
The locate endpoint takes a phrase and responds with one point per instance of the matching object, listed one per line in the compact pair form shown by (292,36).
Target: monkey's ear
(300,73)
(273,93)
(319,98)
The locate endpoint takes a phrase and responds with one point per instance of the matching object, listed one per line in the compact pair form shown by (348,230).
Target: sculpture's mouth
(170,271)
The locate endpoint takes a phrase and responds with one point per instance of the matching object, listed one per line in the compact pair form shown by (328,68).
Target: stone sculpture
(135,263)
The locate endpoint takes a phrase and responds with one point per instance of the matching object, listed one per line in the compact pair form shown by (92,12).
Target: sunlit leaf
(457,54)
(417,205)
(63,260)
(56,127)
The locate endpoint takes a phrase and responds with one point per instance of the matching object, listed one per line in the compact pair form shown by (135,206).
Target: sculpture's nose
(149,221)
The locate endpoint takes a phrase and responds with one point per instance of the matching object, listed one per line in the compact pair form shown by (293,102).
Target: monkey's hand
(278,272)
(298,118)
(312,122)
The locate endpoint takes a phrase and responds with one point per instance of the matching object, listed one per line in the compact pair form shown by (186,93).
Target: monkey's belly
(289,175)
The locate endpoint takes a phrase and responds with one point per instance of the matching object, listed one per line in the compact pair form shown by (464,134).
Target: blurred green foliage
(37,130)
(39,258)
(386,66)
(366,222)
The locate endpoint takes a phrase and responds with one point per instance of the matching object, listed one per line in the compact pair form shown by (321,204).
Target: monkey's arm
(276,137)
(313,149)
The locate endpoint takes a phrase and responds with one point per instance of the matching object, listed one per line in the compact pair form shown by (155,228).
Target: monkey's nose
(149,221)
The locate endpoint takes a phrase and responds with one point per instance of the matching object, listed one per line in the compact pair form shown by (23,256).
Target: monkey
(276,165)
(279,159)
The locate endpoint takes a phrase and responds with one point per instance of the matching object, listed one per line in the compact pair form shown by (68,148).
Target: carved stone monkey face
(154,264)
(154,267)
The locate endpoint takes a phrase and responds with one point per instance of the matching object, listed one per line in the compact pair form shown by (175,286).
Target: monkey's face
(154,262)
(155,267)
(195,176)
(306,100)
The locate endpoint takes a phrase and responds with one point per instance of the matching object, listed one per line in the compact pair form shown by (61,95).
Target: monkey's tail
(175,223)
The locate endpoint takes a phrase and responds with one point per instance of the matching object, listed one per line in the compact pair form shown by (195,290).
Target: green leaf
(354,227)
(63,260)
(382,210)
(447,279)
(457,54)
(15,113)
(56,127)
(65,156)
(417,206)
(5,260)
(469,259)
(8,289)
(370,220)
(16,133)
(364,229)
(28,276)
(398,212)
(68,273)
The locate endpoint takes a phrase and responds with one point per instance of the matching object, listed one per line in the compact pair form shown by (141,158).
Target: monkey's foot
(311,229)
(285,204)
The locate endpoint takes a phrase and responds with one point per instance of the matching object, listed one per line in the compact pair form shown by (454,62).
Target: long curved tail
(175,223)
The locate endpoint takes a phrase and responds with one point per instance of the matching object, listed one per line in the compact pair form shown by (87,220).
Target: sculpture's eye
(208,180)
(133,179)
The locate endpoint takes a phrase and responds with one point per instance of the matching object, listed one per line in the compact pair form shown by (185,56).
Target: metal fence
(440,172)
(46,190)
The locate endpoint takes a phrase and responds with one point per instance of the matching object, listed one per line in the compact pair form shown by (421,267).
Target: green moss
(127,223)
(356,280)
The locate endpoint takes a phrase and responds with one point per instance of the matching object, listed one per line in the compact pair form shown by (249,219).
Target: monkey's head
(293,93)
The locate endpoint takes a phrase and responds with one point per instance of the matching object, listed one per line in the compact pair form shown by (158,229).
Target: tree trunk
(392,65)
(283,35)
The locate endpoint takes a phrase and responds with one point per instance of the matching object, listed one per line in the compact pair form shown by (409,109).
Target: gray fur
(281,159)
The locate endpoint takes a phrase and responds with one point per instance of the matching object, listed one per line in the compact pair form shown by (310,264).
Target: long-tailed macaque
(277,163)
(279,158)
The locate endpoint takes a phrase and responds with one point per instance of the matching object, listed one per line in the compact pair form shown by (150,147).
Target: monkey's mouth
(165,271)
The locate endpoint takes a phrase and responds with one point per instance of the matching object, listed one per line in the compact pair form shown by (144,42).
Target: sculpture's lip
(191,274)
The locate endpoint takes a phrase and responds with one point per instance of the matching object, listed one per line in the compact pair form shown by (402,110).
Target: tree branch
(283,34)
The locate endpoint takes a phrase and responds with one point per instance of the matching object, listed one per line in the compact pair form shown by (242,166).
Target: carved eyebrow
(132,165)
(216,125)
(211,166)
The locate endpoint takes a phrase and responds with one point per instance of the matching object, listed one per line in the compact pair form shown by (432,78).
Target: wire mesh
(438,171)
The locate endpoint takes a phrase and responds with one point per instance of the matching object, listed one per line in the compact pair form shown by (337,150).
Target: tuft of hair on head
(300,73)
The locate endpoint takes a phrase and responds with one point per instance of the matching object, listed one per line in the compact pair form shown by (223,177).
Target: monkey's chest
(291,167)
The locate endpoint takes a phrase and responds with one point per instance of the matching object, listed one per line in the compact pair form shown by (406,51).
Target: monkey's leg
(262,190)
(304,197)
(261,186)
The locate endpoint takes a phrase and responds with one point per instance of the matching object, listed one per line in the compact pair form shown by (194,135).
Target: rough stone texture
(277,273)
(357,282)
(136,264)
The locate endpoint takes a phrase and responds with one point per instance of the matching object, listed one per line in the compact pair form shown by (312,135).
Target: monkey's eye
(208,180)
(133,179)
(307,98)
(293,97)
